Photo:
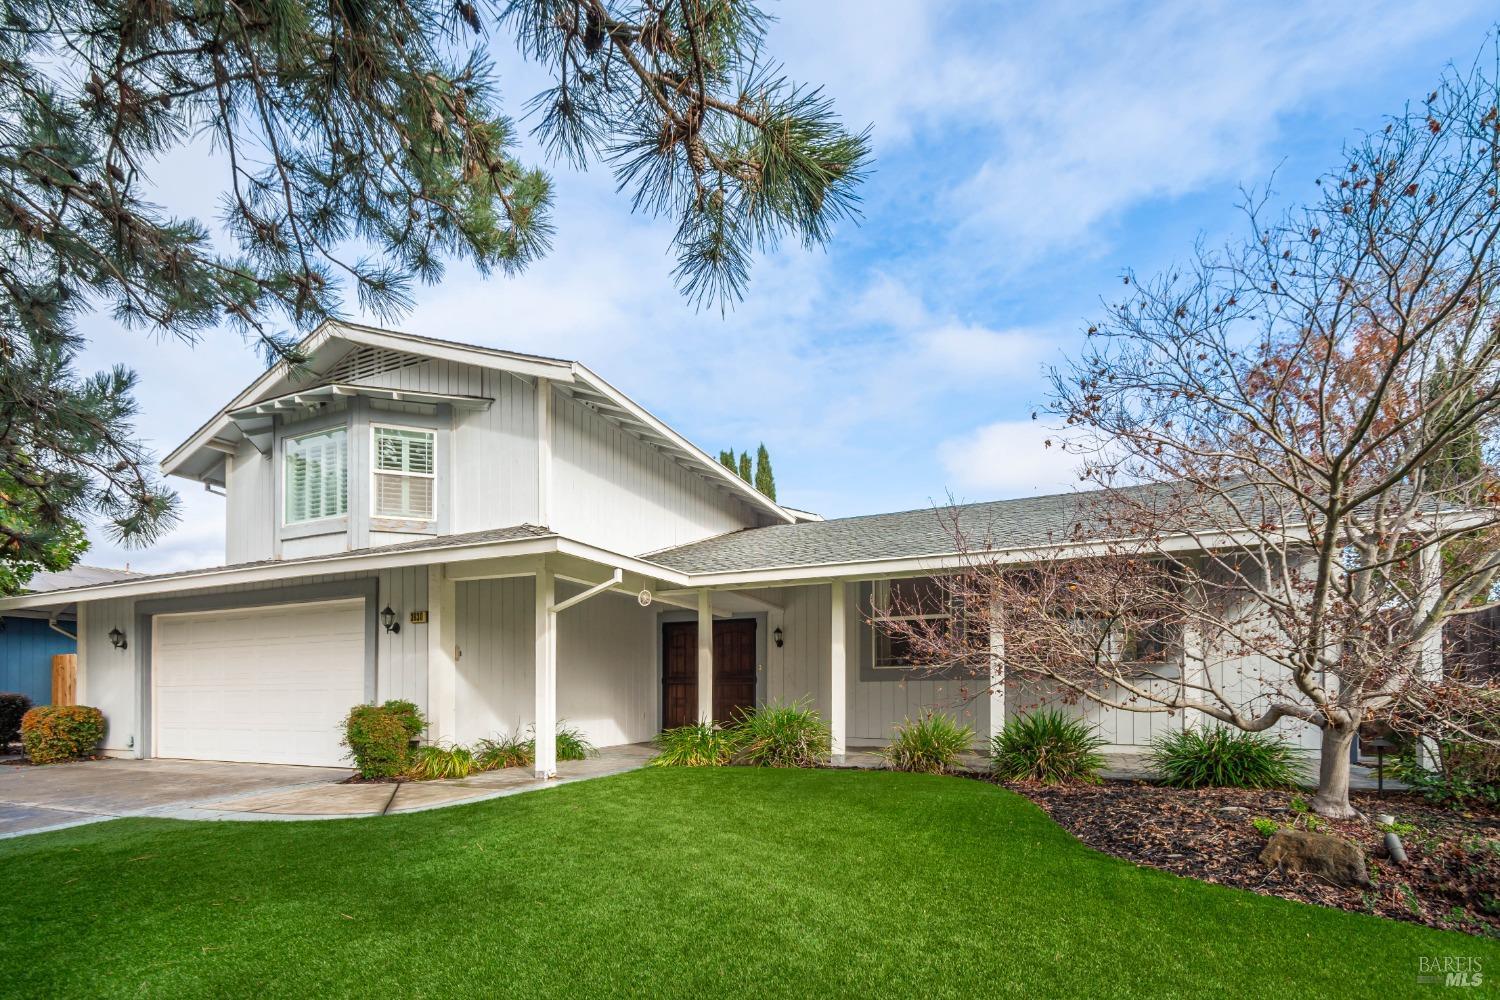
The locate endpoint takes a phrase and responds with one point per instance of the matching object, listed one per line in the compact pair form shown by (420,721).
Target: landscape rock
(1317,854)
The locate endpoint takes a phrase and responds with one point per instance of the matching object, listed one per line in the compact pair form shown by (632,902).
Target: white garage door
(267,685)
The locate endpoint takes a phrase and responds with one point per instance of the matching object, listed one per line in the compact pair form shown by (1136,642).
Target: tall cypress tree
(765,479)
(726,459)
(744,469)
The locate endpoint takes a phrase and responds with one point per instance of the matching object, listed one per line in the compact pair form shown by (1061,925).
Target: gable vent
(366,362)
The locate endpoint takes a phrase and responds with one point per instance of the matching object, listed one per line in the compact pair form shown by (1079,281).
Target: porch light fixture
(780,639)
(117,638)
(388,619)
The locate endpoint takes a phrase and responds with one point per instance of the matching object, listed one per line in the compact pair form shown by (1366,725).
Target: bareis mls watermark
(1450,970)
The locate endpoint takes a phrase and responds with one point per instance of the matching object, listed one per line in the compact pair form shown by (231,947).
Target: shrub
(378,739)
(409,715)
(431,762)
(1048,747)
(504,751)
(779,735)
(1466,772)
(571,744)
(1220,757)
(12,707)
(698,745)
(930,745)
(53,733)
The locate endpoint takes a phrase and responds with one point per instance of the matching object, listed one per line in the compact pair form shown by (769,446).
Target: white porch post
(705,656)
(546,674)
(838,690)
(997,677)
(1430,653)
(442,657)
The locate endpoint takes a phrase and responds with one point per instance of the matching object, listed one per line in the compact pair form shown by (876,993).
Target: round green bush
(378,739)
(1047,747)
(1219,757)
(55,733)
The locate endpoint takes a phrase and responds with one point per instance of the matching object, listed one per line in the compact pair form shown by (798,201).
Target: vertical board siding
(613,490)
(107,676)
(249,506)
(494,457)
(27,646)
(606,670)
(802,669)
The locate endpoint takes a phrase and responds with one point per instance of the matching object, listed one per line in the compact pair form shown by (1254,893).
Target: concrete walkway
(36,799)
(342,801)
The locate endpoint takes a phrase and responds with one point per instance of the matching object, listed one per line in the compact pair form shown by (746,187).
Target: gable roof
(331,363)
(77,576)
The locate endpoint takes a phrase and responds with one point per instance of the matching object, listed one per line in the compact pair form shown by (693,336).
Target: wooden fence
(65,679)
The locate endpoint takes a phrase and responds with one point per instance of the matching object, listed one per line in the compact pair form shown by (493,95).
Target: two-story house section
(507,540)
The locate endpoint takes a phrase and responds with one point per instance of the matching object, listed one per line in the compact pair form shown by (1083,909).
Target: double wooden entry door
(734,671)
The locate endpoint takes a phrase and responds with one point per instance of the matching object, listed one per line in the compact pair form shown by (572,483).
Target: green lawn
(667,883)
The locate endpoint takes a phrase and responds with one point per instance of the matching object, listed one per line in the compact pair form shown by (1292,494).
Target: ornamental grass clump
(929,745)
(778,735)
(1047,747)
(572,744)
(429,763)
(504,751)
(52,734)
(1218,757)
(701,744)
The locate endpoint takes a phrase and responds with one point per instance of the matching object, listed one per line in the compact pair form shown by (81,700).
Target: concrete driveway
(33,799)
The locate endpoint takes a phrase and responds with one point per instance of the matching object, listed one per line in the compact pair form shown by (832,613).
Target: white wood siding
(249,506)
(494,458)
(613,490)
(607,683)
(107,676)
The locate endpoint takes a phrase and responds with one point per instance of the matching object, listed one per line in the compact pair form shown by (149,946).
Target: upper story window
(316,476)
(404,473)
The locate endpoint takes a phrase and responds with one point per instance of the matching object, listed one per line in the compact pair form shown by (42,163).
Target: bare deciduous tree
(1287,437)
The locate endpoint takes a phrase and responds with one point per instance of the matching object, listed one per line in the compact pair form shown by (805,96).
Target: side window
(316,476)
(404,472)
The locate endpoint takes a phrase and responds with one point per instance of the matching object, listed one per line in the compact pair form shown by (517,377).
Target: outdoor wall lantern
(388,619)
(117,638)
(780,639)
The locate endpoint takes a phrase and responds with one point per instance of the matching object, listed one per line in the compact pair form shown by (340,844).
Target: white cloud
(1009,458)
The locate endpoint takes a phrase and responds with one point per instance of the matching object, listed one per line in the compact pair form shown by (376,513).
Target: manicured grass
(667,883)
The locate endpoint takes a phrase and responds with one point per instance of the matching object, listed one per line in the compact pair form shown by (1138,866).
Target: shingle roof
(77,576)
(997,524)
(516,532)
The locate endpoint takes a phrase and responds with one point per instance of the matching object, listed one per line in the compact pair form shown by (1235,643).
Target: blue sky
(1024,157)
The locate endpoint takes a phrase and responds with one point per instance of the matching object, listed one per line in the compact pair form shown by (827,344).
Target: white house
(505,540)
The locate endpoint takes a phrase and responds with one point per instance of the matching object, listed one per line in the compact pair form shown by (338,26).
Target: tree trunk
(1332,798)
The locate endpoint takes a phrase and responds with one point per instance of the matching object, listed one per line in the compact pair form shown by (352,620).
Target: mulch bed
(1451,879)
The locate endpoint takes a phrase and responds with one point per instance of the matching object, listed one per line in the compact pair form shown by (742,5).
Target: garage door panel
(265,685)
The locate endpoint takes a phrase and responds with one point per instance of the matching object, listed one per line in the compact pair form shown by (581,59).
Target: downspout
(52,624)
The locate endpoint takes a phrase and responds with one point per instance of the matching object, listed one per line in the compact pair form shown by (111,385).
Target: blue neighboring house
(28,641)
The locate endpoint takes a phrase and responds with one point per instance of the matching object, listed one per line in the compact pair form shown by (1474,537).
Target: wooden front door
(734,671)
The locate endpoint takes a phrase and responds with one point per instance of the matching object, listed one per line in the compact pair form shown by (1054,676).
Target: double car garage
(263,684)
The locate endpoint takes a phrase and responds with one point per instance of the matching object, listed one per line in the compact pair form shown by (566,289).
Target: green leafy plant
(55,733)
(778,735)
(408,714)
(697,745)
(1265,826)
(428,763)
(1462,771)
(378,739)
(572,744)
(1047,747)
(504,751)
(13,707)
(929,745)
(1217,757)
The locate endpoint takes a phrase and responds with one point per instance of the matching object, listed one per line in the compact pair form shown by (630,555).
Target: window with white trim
(315,476)
(919,599)
(405,472)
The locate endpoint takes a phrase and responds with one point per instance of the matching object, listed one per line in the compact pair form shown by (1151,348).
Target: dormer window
(317,476)
(404,473)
